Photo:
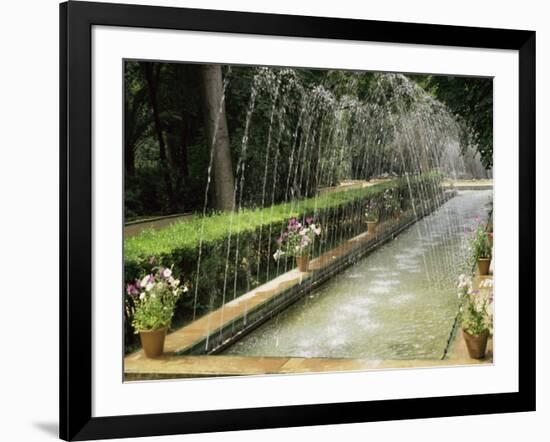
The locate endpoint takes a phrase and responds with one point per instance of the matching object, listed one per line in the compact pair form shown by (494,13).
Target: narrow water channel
(397,303)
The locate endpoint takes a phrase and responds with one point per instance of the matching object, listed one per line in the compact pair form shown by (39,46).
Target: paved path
(469,184)
(157,223)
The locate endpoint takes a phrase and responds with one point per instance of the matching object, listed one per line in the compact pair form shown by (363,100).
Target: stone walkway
(173,367)
(156,223)
(469,184)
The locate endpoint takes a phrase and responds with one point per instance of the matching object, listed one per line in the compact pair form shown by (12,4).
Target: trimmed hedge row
(226,254)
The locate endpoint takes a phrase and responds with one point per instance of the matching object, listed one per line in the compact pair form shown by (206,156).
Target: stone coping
(176,367)
(484,184)
(170,366)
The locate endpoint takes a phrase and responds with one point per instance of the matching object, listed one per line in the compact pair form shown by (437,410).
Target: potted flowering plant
(152,300)
(481,244)
(475,314)
(392,204)
(296,240)
(372,215)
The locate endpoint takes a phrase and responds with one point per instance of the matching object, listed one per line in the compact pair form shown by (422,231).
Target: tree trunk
(218,136)
(152,82)
(177,141)
(183,146)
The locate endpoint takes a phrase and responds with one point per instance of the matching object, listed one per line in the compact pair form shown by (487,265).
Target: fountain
(398,303)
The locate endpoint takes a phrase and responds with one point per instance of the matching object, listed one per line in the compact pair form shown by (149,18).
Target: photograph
(290,220)
(276,221)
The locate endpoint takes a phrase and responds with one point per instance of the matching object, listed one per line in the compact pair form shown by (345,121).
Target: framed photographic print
(272,220)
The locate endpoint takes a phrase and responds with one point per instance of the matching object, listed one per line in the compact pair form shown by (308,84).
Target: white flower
(144,281)
(167,273)
(464,281)
(486,283)
(185,289)
(174,282)
(315,229)
(142,296)
(277,255)
(149,286)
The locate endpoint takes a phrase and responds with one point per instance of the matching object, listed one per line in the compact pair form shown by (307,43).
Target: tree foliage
(282,139)
(471,99)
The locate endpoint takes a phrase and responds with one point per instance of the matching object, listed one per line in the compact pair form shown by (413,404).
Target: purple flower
(132,290)
(309,220)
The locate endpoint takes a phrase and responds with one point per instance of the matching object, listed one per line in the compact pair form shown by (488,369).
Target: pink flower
(132,290)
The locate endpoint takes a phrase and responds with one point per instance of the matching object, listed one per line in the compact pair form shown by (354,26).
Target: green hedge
(236,248)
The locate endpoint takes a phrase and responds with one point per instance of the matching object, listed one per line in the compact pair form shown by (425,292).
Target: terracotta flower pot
(371,227)
(152,341)
(303,263)
(476,345)
(483,265)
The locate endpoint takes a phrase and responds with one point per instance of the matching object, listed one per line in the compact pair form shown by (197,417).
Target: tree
(136,121)
(218,136)
(152,74)
(471,99)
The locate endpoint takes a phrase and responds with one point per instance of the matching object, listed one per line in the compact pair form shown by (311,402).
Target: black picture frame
(76,21)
